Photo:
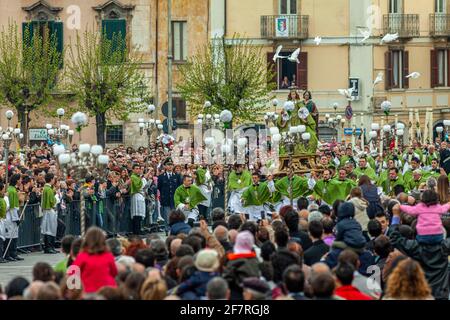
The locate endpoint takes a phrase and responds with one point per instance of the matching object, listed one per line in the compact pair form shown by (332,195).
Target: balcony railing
(284,27)
(439,25)
(406,25)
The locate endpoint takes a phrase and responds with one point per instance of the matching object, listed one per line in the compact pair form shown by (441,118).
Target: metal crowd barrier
(113,217)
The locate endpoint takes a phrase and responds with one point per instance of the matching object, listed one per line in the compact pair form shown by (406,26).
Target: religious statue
(295,113)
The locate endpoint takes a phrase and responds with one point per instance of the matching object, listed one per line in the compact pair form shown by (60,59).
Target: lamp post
(7,136)
(151,125)
(224,120)
(61,131)
(88,160)
(439,131)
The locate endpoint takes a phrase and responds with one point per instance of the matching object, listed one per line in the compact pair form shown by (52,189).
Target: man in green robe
(364,169)
(12,220)
(137,198)
(50,217)
(204,182)
(281,197)
(413,165)
(256,196)
(187,196)
(431,155)
(238,180)
(417,180)
(329,190)
(394,179)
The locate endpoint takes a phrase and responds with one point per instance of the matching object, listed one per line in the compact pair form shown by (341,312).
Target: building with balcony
(422,46)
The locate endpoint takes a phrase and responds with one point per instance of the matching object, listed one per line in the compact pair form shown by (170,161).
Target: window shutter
(56,29)
(27,33)
(405,69)
(272,67)
(113,28)
(388,65)
(434,68)
(302,71)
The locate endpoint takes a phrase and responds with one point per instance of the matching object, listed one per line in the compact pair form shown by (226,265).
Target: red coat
(97,270)
(351,293)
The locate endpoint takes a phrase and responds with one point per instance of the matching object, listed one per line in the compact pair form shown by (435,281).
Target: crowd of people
(360,226)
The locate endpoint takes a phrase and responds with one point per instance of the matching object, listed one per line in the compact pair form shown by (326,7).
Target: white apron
(234,203)
(137,205)
(10,225)
(49,222)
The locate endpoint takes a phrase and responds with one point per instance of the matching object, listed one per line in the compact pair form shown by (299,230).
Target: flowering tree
(232,76)
(105,76)
(29,68)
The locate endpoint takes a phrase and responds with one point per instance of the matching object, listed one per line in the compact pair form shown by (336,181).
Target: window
(115,30)
(440,68)
(114,134)
(180,105)
(395,6)
(440,5)
(289,74)
(45,29)
(397,68)
(179,40)
(288,6)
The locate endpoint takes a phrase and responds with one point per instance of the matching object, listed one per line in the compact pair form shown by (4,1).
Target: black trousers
(1,248)
(203,212)
(12,250)
(137,221)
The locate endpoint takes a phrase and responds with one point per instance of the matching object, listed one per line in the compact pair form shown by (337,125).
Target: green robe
(201,176)
(392,183)
(333,189)
(299,188)
(13,197)
(48,198)
(427,158)
(233,180)
(256,195)
(371,162)
(136,184)
(414,184)
(192,196)
(2,208)
(366,171)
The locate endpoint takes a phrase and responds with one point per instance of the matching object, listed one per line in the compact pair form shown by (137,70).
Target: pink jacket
(429,218)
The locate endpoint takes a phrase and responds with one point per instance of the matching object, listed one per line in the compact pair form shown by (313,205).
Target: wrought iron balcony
(406,25)
(289,26)
(440,25)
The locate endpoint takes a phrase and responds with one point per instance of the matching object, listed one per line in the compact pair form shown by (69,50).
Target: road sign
(38,134)
(349,131)
(165,124)
(349,112)
(165,109)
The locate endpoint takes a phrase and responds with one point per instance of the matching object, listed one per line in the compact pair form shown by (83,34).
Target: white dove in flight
(378,79)
(389,37)
(347,93)
(294,56)
(366,34)
(414,75)
(277,54)
(317,40)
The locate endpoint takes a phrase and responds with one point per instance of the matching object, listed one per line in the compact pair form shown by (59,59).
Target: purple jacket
(428,218)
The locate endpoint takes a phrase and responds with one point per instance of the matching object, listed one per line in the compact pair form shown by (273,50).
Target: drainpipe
(156,99)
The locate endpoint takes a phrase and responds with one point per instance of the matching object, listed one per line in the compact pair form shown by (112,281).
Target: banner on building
(282,27)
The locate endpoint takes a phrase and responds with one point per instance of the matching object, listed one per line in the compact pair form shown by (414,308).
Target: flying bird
(277,54)
(378,79)
(414,75)
(347,93)
(366,34)
(389,37)
(294,56)
(317,40)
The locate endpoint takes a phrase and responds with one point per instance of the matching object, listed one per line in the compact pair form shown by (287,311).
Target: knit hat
(346,210)
(207,260)
(244,242)
(315,216)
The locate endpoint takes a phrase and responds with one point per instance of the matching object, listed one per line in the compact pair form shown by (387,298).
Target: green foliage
(29,67)
(231,76)
(104,80)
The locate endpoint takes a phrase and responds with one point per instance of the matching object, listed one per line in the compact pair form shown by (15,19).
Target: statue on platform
(295,112)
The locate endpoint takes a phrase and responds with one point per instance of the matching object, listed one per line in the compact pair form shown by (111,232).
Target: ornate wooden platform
(301,164)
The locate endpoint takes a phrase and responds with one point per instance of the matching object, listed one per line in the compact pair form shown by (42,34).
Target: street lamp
(61,131)
(7,136)
(87,161)
(150,126)
(439,131)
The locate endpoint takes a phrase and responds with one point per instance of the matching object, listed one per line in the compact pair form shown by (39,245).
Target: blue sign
(349,131)
(349,112)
